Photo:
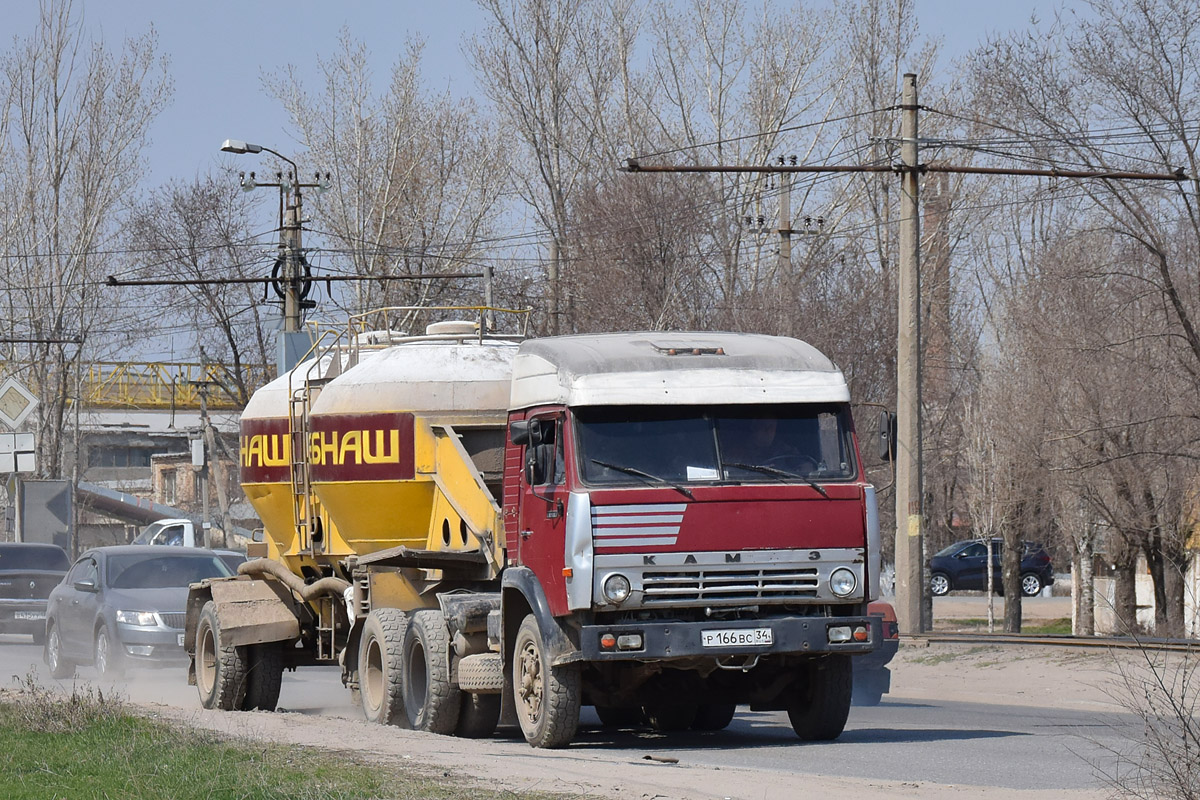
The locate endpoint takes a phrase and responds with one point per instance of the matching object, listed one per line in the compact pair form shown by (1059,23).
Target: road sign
(17,453)
(16,403)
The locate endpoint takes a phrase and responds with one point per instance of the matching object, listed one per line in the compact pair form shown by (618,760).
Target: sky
(220,50)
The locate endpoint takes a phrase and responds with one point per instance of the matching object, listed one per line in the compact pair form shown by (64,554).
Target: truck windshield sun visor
(679,445)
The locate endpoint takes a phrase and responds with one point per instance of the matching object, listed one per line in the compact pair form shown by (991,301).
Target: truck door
(543,509)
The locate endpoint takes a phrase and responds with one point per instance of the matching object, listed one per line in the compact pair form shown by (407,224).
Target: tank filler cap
(452,327)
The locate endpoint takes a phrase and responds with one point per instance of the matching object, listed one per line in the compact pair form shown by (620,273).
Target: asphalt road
(941,742)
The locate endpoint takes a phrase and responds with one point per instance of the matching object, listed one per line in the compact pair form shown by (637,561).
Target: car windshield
(25,558)
(152,571)
(694,444)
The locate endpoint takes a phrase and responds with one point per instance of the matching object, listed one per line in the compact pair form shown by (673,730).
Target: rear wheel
(60,667)
(220,668)
(107,655)
(939,584)
(547,698)
(714,716)
(380,665)
(820,704)
(264,676)
(1031,584)
(431,700)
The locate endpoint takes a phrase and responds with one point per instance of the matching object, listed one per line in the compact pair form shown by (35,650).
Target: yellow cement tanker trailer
(665,526)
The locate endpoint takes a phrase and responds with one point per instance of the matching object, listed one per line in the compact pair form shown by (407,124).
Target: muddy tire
(431,700)
(547,698)
(714,716)
(60,666)
(481,672)
(380,667)
(478,715)
(820,704)
(106,655)
(264,676)
(220,668)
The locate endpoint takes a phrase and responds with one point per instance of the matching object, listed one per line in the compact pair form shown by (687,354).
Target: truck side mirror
(518,431)
(887,436)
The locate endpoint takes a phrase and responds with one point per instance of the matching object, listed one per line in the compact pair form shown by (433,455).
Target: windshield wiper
(646,476)
(779,473)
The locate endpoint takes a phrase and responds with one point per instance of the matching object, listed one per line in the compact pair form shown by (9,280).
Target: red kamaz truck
(665,526)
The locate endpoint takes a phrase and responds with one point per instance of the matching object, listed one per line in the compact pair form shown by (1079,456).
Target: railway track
(1109,642)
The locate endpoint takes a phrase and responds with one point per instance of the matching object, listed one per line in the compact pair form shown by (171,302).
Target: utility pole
(785,222)
(555,311)
(910,516)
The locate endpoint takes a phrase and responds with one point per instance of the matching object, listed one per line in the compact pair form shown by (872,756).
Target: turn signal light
(608,641)
(860,634)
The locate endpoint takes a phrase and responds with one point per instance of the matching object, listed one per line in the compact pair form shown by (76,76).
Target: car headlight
(842,582)
(616,589)
(146,619)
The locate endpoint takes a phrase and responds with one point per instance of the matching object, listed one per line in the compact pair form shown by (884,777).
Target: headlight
(616,589)
(842,582)
(146,619)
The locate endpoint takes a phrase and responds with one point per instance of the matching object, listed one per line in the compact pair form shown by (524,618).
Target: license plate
(737,637)
(29,615)
(181,640)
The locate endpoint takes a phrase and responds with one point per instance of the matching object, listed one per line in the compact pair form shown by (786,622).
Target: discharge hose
(305,591)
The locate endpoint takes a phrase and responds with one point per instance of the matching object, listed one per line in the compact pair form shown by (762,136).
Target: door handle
(526,534)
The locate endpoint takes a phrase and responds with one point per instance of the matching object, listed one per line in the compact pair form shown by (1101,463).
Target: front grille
(729,586)
(174,620)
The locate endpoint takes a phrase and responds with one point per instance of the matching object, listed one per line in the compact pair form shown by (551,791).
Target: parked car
(28,572)
(122,606)
(872,678)
(963,565)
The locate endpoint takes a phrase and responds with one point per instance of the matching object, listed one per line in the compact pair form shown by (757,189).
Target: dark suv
(963,565)
(28,571)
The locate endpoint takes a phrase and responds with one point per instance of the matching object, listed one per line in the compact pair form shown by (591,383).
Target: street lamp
(291,268)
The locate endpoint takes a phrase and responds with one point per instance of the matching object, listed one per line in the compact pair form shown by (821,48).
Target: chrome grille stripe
(644,525)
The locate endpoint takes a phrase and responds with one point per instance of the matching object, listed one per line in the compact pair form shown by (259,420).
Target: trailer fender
(252,611)
(522,594)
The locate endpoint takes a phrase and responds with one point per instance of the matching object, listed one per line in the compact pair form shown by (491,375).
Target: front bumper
(151,645)
(790,635)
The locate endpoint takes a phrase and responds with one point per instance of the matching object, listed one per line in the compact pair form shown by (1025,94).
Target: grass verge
(91,745)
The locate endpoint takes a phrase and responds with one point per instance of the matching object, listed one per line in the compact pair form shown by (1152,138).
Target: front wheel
(547,698)
(714,716)
(820,703)
(1031,584)
(939,584)
(107,658)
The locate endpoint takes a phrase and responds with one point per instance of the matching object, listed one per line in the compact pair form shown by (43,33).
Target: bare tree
(74,118)
(199,231)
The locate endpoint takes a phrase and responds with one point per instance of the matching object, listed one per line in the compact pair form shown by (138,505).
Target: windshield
(161,572)
(695,444)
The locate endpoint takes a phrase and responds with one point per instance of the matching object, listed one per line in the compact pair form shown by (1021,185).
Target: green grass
(1050,628)
(89,745)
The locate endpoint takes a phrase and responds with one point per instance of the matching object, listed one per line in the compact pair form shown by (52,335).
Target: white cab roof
(672,368)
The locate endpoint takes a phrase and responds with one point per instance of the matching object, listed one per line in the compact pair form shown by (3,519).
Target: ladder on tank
(299,404)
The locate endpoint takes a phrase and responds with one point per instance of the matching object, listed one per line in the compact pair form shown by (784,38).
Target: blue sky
(219,50)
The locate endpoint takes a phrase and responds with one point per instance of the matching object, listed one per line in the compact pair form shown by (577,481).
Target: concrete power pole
(289,240)
(910,512)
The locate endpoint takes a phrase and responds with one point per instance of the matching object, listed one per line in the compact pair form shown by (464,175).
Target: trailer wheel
(220,669)
(431,700)
(380,666)
(264,676)
(714,716)
(547,698)
(820,704)
(477,715)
